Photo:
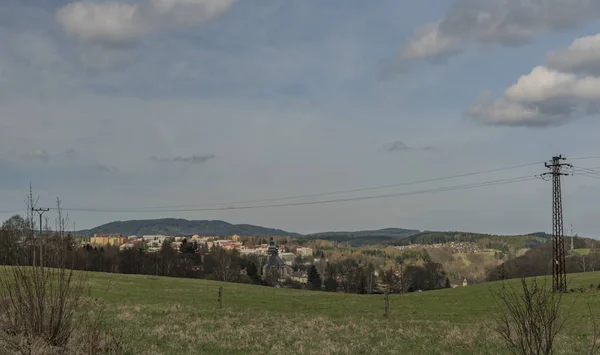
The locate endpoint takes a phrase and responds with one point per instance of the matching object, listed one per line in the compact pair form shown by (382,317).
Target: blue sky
(111,104)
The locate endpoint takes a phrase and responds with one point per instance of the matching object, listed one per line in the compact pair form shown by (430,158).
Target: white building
(288,258)
(304,251)
(154,242)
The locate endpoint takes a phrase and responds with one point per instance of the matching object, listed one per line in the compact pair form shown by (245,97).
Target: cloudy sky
(154,103)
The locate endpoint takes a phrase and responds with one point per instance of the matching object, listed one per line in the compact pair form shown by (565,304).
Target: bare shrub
(39,304)
(529,317)
(595,346)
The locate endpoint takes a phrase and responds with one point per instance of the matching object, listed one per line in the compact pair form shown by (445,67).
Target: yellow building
(107,239)
(235,238)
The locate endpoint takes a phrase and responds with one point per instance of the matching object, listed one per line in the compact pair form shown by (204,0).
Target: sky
(153,103)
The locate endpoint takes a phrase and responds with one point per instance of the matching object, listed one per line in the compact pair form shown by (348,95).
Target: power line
(588,175)
(160,208)
(586,170)
(372,197)
(585,158)
(11,212)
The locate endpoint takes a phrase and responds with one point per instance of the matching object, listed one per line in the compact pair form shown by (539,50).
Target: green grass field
(181,316)
(583,252)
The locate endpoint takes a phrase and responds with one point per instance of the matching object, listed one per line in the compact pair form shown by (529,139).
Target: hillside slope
(181,316)
(367,237)
(175,226)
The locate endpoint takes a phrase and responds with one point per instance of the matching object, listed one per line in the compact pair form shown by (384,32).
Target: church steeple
(272,250)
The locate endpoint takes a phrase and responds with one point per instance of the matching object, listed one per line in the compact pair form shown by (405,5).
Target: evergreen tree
(331,285)
(314,279)
(252,271)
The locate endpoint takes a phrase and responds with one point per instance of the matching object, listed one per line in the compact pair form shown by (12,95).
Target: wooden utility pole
(386,305)
(220,297)
(40,212)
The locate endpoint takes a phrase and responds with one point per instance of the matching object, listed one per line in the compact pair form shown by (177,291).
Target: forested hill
(397,236)
(173,226)
(516,241)
(370,237)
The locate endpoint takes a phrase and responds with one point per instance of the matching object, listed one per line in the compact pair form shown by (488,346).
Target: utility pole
(572,237)
(40,212)
(559,275)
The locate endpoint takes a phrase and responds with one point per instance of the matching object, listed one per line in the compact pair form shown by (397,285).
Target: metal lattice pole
(559,277)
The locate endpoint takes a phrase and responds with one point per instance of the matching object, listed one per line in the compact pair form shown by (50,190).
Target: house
(130,245)
(201,240)
(288,258)
(299,276)
(302,251)
(228,244)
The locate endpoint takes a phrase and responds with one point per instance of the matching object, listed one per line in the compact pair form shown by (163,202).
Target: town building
(300,276)
(154,242)
(130,244)
(107,240)
(302,251)
(288,258)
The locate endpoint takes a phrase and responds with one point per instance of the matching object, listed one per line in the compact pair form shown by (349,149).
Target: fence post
(386,305)
(220,297)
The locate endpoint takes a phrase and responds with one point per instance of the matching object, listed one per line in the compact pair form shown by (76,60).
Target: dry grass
(180,316)
(186,330)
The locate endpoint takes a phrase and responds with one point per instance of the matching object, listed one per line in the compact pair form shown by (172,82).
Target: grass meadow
(181,316)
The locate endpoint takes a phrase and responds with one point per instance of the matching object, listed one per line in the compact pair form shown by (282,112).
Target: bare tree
(224,268)
(582,264)
(529,317)
(592,263)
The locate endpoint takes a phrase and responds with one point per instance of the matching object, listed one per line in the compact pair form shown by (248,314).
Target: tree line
(538,261)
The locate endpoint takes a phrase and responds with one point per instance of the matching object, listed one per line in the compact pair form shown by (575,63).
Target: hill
(180,316)
(174,226)
(536,261)
(366,237)
(399,236)
(491,240)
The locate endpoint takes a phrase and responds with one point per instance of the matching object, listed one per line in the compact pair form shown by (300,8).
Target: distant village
(154,243)
(280,258)
(456,247)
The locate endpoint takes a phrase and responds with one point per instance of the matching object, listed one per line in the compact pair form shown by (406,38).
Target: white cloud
(583,55)
(507,22)
(121,24)
(36,154)
(194,159)
(429,42)
(565,89)
(542,98)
